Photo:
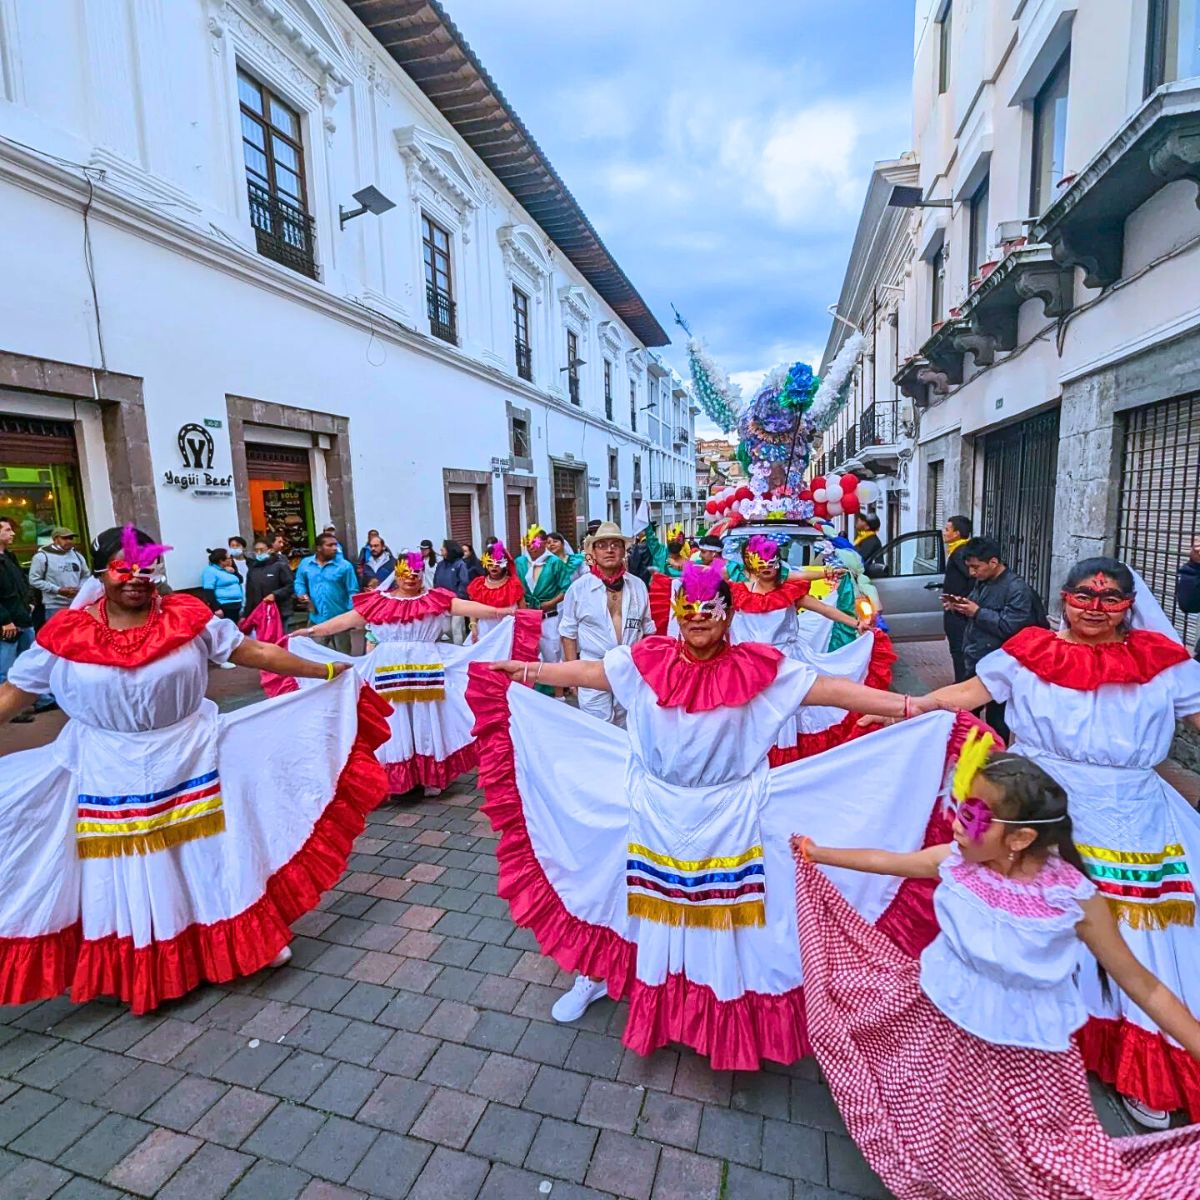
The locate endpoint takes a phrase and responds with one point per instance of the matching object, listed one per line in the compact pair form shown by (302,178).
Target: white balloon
(868,491)
(819,495)
(833,482)
(833,493)
(835,508)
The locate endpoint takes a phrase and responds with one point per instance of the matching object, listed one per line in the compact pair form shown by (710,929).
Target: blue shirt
(225,585)
(328,586)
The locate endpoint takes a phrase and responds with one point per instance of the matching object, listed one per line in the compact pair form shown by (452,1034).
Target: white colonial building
(274,263)
(1035,256)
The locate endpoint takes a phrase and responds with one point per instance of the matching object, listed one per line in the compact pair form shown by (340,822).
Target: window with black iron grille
(519,437)
(439,293)
(524,353)
(274,156)
(633,405)
(637,476)
(1159,505)
(573,365)
(1020,466)
(613,470)
(608,399)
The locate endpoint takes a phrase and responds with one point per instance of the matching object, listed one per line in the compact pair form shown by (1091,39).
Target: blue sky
(721,148)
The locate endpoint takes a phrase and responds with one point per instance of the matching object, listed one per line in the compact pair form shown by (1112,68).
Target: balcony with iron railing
(283,232)
(608,406)
(524,360)
(573,388)
(681,436)
(442,314)
(687,492)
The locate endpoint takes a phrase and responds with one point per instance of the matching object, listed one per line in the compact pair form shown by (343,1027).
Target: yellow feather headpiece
(674,532)
(972,759)
(534,532)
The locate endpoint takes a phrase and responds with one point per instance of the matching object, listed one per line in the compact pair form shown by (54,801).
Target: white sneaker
(575,1003)
(1143,1114)
(227,666)
(430,792)
(282,958)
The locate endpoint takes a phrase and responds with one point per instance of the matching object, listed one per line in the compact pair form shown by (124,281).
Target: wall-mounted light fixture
(371,200)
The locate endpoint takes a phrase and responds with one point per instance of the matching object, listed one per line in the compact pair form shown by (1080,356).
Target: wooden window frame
(977,236)
(437,298)
(267,95)
(945,36)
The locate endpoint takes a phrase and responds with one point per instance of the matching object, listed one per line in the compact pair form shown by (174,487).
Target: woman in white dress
(425,680)
(1095,704)
(654,861)
(768,608)
(147,849)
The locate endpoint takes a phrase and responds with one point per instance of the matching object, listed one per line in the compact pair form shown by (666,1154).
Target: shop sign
(196,450)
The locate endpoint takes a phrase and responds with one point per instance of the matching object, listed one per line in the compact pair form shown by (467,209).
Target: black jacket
(868,547)
(270,578)
(1187,590)
(14,593)
(453,576)
(1007,605)
(957,582)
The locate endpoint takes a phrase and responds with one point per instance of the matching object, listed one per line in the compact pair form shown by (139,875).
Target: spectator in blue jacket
(376,562)
(1187,583)
(452,574)
(222,579)
(325,584)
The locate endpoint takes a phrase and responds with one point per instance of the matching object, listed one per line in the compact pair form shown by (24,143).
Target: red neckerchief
(613,583)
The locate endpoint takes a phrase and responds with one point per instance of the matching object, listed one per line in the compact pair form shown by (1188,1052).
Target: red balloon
(850,503)
(806,494)
(849,484)
(743,493)
(711,508)
(821,510)
(817,483)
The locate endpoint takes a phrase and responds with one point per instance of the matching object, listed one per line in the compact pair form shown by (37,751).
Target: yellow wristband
(328,671)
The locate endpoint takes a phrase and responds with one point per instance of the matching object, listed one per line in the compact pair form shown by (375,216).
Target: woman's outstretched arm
(265,656)
(583,673)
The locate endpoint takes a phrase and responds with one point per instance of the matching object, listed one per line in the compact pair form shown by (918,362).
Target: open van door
(908,572)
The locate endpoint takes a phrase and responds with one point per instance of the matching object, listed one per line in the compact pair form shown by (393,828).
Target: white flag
(641,518)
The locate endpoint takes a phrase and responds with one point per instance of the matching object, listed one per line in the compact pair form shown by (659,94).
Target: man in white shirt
(605,608)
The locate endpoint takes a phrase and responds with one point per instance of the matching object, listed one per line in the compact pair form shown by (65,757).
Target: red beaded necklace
(127,642)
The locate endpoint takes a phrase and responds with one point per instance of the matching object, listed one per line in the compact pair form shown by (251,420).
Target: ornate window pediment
(302,26)
(525,258)
(576,303)
(636,361)
(438,173)
(610,338)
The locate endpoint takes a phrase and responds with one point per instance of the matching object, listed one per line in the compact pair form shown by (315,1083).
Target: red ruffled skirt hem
(733,1034)
(1142,1064)
(38,968)
(423,770)
(879,676)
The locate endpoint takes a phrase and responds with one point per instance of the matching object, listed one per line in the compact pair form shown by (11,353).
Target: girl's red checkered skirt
(939,1113)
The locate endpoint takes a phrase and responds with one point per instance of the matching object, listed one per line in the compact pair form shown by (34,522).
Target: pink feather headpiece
(411,562)
(495,556)
(698,592)
(762,547)
(136,555)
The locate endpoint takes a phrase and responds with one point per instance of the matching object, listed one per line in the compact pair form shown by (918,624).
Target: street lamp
(371,200)
(913,197)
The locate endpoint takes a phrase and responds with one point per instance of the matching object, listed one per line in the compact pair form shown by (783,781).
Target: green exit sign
(211,423)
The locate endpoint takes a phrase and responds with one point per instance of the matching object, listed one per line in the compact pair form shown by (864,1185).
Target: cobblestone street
(406,1051)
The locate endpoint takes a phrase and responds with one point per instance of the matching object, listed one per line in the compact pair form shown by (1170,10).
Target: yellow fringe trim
(1156,916)
(148,843)
(1130,856)
(752,914)
(174,816)
(695,864)
(410,667)
(414,695)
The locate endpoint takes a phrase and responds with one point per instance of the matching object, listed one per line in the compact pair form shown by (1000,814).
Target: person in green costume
(667,559)
(546,569)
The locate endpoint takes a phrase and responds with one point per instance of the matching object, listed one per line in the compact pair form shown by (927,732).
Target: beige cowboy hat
(606,532)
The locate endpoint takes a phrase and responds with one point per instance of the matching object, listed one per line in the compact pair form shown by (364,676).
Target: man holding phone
(956,586)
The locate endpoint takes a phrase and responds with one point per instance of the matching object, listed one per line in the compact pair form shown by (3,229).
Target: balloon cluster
(735,506)
(833,495)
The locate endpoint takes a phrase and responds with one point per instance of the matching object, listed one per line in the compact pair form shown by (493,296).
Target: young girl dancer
(958,1075)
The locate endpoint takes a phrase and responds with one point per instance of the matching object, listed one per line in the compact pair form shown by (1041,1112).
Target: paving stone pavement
(406,1052)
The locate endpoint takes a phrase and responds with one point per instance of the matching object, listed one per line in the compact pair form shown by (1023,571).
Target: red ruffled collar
(787,595)
(389,608)
(1138,659)
(734,677)
(76,635)
(511,591)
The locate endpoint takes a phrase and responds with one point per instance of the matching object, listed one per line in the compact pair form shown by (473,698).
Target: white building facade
(1046,310)
(207,338)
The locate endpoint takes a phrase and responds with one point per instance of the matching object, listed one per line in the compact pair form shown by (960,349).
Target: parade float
(776,431)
